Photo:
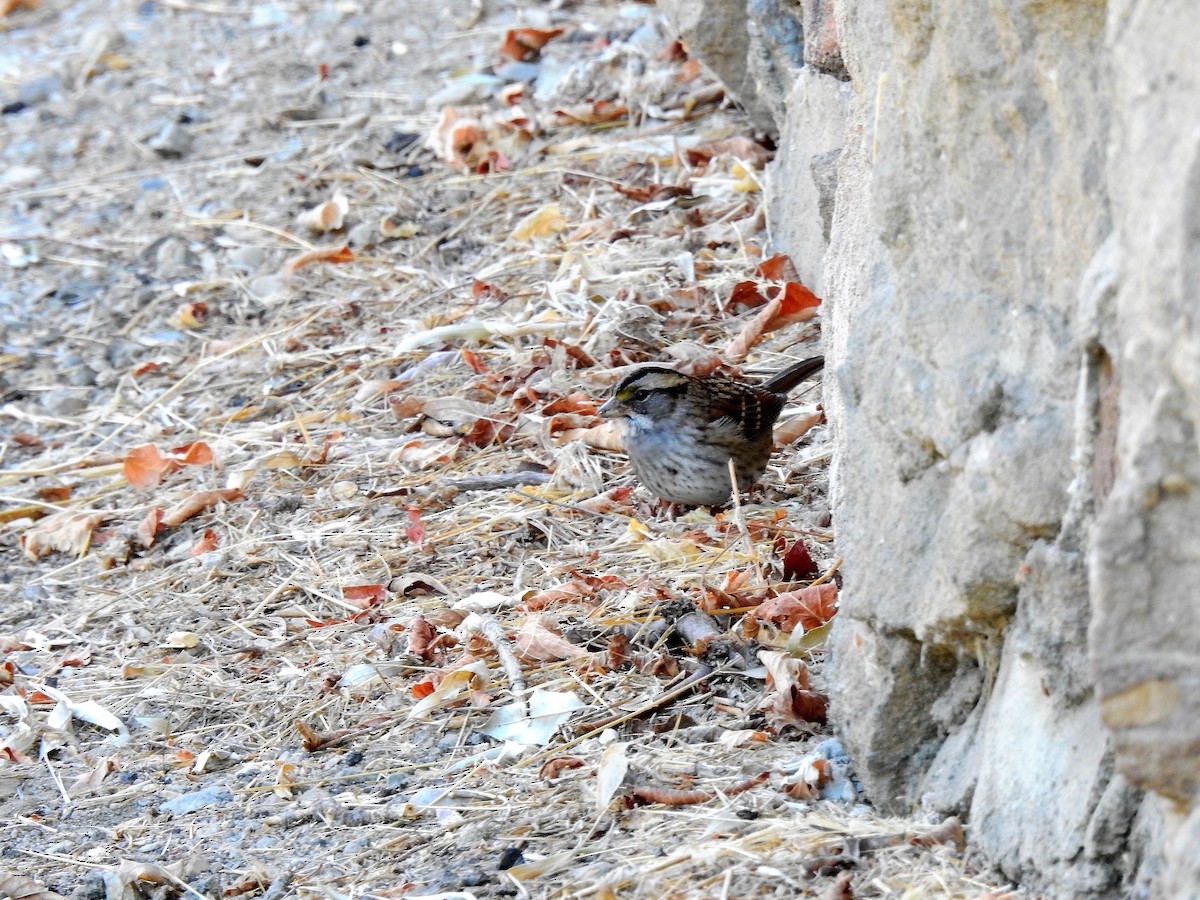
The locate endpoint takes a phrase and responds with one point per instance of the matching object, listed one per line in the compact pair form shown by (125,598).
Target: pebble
(123,354)
(173,142)
(248,259)
(39,90)
(64,402)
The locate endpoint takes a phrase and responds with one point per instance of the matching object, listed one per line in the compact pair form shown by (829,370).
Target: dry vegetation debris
(319,580)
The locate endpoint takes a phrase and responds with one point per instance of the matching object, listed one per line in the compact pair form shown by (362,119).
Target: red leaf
(798,564)
(778,268)
(365,595)
(809,706)
(745,293)
(797,297)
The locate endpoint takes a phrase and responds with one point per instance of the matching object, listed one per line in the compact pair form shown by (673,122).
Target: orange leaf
(196,453)
(145,467)
(475,361)
(150,527)
(422,689)
(207,542)
(196,504)
(322,254)
(525,44)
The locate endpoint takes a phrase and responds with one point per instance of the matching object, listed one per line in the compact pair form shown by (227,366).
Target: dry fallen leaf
(340,254)
(149,528)
(9,6)
(537,643)
(605,436)
(206,544)
(807,608)
(196,504)
(15,886)
(146,467)
(327,216)
(795,303)
(67,532)
(541,223)
(796,427)
(525,44)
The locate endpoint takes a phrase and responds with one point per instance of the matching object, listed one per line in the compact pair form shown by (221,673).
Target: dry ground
(222,700)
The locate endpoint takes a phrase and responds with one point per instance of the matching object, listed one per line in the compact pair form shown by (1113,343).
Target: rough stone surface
(802,208)
(716,32)
(1145,562)
(1001,208)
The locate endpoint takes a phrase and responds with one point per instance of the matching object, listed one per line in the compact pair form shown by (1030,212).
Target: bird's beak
(608,410)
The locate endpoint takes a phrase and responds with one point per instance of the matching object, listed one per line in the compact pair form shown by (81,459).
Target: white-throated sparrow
(683,430)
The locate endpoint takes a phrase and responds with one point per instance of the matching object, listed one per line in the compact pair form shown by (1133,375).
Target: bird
(682,430)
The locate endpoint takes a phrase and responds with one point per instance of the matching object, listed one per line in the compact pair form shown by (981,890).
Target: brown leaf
(747,294)
(796,427)
(421,636)
(556,765)
(842,888)
(802,706)
(196,504)
(949,832)
(807,608)
(537,643)
(7,7)
(18,887)
(797,299)
(596,113)
(415,530)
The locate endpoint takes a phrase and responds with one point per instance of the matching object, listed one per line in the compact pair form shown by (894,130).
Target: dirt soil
(292,519)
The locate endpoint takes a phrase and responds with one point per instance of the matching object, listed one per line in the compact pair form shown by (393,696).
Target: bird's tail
(783,382)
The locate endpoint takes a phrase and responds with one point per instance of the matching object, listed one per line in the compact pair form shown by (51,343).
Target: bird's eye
(639,395)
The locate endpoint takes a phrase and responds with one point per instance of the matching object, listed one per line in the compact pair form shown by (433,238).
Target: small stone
(344,490)
(247,259)
(173,142)
(123,354)
(81,375)
(64,402)
(39,90)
